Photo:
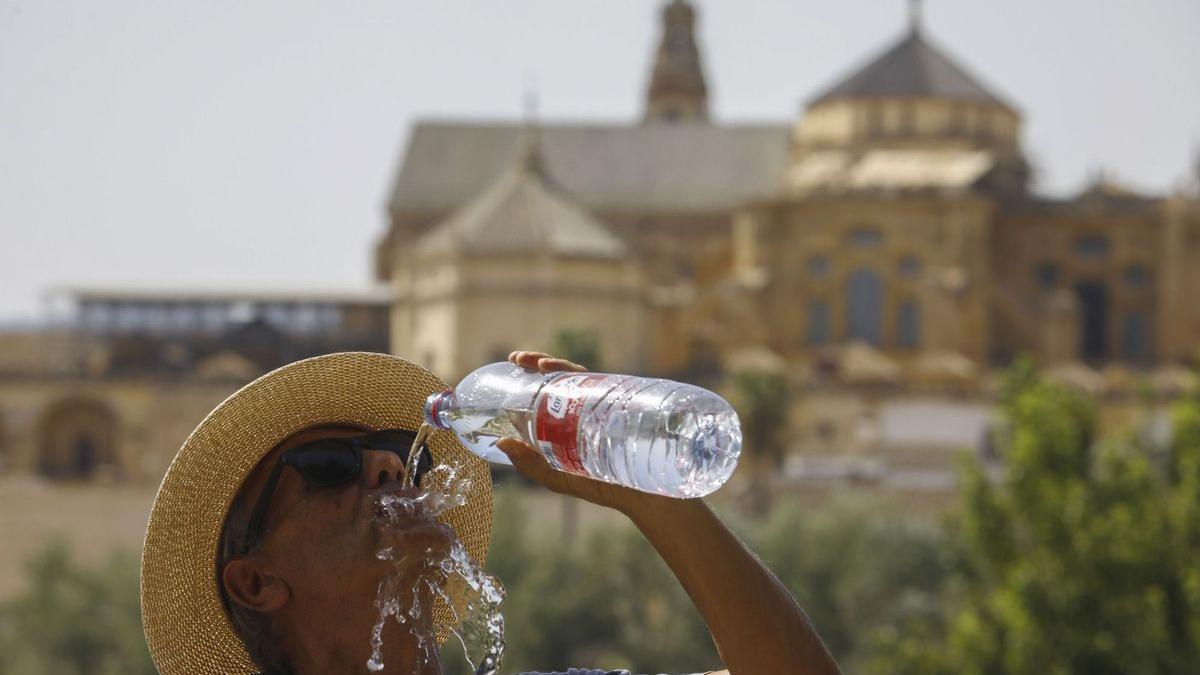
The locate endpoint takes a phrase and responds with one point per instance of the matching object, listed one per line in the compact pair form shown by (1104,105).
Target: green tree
(762,399)
(858,566)
(578,345)
(74,620)
(1084,558)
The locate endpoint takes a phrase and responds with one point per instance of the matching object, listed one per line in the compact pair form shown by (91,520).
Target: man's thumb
(527,460)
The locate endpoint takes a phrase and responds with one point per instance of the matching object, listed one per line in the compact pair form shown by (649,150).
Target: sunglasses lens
(400,442)
(327,463)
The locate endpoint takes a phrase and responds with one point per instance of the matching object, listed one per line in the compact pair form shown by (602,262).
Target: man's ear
(252,586)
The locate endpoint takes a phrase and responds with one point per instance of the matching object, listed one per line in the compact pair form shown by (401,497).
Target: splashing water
(422,577)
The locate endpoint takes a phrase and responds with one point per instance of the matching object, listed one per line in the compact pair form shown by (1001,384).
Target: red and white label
(558,409)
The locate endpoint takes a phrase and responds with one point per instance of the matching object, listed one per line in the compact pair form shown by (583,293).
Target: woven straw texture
(186,627)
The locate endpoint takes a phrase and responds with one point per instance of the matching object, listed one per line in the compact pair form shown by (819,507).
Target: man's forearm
(758,627)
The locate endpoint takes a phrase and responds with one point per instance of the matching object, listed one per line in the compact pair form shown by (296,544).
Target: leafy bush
(1085,558)
(857,568)
(74,620)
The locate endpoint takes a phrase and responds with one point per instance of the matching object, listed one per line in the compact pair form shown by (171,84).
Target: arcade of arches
(79,440)
(100,431)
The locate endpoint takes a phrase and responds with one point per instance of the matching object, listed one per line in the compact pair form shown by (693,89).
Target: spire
(677,90)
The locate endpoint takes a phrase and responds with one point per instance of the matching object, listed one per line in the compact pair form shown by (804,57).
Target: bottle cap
(436,407)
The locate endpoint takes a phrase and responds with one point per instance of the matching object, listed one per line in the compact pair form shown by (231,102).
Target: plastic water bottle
(654,435)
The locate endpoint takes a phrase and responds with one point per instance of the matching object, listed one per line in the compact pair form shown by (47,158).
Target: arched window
(818,266)
(908,324)
(864,306)
(78,441)
(4,460)
(874,120)
(909,267)
(1094,313)
(908,119)
(818,322)
(1135,338)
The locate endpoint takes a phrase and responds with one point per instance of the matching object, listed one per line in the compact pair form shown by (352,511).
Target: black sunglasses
(330,462)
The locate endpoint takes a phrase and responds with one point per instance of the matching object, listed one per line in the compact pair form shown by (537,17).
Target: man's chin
(425,539)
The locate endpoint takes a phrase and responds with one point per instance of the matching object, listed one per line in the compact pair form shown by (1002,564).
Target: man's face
(320,545)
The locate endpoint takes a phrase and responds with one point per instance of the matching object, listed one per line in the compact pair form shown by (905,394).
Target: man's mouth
(397,506)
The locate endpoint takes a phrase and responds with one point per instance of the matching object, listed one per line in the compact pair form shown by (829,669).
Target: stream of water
(423,577)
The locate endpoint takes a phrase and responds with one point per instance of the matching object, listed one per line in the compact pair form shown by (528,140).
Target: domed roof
(912,67)
(523,212)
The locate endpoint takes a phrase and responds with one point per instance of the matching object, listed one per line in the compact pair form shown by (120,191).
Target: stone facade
(884,250)
(895,212)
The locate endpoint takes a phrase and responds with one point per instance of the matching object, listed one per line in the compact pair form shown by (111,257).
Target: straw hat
(186,626)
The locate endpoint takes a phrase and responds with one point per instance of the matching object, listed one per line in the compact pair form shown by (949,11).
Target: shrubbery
(73,620)
(1084,558)
(609,601)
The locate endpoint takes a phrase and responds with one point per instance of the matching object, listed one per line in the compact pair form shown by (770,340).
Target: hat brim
(186,626)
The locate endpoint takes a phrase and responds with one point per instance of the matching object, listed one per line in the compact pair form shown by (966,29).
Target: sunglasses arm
(254,527)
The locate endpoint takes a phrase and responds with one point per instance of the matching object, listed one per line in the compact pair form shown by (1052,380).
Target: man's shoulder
(585,671)
(581,671)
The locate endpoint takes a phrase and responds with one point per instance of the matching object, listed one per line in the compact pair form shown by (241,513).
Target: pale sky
(251,143)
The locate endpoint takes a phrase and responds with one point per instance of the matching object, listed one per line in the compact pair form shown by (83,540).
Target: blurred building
(895,212)
(110,388)
(884,250)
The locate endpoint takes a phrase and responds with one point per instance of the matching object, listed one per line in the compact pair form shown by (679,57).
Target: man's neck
(315,655)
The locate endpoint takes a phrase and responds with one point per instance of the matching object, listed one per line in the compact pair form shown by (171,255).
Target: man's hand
(534,466)
(758,627)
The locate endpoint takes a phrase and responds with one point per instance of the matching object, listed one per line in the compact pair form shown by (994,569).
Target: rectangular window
(1092,246)
(865,237)
(909,324)
(818,322)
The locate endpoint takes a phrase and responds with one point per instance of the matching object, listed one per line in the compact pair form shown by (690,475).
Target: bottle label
(559,407)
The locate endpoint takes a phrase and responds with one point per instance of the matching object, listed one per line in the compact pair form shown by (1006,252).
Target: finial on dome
(914,15)
(530,151)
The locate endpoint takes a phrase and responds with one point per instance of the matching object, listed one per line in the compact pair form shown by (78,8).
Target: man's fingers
(527,360)
(531,464)
(528,461)
(551,364)
(543,362)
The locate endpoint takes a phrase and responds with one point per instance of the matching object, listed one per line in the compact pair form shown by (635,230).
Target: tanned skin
(756,624)
(316,574)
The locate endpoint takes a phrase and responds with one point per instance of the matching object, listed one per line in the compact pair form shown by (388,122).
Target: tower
(677,91)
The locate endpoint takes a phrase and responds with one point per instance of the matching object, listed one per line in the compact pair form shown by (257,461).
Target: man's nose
(381,466)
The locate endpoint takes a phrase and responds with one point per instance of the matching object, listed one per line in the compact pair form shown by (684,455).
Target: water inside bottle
(450,575)
(658,436)
(653,435)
